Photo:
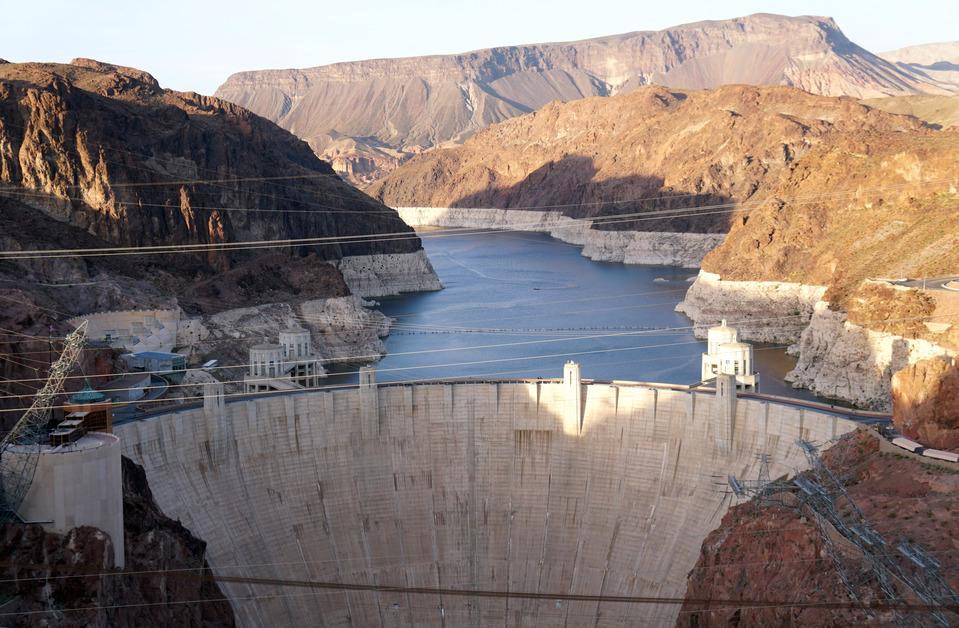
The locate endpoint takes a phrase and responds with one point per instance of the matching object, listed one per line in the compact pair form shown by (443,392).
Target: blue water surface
(521,304)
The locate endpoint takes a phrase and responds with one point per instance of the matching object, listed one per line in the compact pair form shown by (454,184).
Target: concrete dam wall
(510,486)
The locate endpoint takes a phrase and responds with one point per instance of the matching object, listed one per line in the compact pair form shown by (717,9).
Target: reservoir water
(521,304)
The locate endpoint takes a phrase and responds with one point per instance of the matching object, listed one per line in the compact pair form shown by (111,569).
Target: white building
(288,365)
(725,355)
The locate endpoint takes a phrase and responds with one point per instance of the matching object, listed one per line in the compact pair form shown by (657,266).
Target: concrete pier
(463,485)
(725,412)
(79,484)
(573,387)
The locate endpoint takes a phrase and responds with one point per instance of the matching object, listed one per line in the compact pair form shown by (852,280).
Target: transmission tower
(20,447)
(822,494)
(921,574)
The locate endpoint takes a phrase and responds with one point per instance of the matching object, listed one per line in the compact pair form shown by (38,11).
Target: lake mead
(521,304)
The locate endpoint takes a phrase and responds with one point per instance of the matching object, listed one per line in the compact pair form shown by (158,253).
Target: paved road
(930,283)
(860,416)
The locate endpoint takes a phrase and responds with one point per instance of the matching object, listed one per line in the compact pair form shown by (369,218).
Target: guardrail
(853,414)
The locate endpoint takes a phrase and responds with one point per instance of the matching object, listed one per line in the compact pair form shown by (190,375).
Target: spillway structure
(556,487)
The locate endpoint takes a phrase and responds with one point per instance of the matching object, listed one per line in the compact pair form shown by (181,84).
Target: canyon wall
(842,360)
(925,402)
(838,358)
(106,149)
(628,247)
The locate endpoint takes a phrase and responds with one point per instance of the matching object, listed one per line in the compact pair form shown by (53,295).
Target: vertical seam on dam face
(465,486)
(472,505)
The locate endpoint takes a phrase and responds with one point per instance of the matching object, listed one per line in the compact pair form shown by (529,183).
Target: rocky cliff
(731,158)
(69,580)
(773,553)
(106,149)
(925,402)
(368,116)
(94,155)
(879,202)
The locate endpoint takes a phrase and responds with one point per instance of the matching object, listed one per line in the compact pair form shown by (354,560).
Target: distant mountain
(935,63)
(368,116)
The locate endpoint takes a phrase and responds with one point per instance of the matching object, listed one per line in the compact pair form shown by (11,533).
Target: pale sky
(196,44)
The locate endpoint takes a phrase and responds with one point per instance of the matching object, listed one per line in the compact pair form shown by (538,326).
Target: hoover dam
(567,486)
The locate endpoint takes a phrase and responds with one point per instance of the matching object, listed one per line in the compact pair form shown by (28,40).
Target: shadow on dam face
(484,486)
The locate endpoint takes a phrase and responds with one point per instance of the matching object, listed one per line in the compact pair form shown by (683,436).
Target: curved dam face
(510,486)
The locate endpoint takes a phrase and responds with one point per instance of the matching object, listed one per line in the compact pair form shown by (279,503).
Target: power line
(645,332)
(155,157)
(656,331)
(394,236)
(710,603)
(420,367)
(449,349)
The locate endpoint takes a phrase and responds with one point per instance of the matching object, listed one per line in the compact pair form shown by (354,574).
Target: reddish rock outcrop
(925,403)
(763,553)
(68,581)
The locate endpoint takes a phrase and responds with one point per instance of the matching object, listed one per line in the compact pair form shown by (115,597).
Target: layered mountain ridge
(368,116)
(659,149)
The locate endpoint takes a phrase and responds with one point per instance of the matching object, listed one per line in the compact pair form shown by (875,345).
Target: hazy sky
(196,44)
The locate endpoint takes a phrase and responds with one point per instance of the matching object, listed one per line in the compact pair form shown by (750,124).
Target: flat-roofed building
(158,362)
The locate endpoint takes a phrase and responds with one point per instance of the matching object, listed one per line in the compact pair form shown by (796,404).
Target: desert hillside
(368,116)
(940,110)
(748,148)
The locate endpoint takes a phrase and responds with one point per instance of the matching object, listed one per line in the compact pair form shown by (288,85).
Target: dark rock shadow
(569,186)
